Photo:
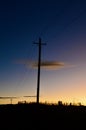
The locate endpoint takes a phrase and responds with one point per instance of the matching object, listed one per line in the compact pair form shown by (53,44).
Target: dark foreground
(38,117)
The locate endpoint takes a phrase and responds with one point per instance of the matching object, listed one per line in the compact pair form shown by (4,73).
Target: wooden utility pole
(39,66)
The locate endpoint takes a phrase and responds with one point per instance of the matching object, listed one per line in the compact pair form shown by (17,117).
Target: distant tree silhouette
(60,103)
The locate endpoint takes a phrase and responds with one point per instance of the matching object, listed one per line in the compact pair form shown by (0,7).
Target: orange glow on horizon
(65,100)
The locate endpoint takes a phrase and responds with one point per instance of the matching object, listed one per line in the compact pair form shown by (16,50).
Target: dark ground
(38,117)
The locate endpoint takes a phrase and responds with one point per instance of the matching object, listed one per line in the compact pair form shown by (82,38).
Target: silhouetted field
(42,116)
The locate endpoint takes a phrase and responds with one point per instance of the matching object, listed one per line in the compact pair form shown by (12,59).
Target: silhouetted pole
(39,66)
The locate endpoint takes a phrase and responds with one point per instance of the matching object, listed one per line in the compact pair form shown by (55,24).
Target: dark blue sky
(62,25)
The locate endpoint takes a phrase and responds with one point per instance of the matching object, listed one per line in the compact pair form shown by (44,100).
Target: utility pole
(39,66)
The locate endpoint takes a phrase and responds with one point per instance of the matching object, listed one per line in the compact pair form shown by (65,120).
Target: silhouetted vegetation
(43,116)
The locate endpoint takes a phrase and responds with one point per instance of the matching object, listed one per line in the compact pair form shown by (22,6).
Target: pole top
(39,43)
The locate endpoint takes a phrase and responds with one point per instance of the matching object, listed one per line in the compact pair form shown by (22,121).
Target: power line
(68,25)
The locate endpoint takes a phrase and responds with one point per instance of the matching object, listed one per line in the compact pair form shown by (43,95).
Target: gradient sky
(62,25)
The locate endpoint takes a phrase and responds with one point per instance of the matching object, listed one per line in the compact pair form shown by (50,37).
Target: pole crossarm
(39,42)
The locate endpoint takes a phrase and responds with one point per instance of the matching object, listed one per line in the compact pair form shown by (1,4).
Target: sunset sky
(61,24)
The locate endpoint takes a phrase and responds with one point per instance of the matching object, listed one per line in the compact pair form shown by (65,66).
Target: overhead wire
(48,26)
